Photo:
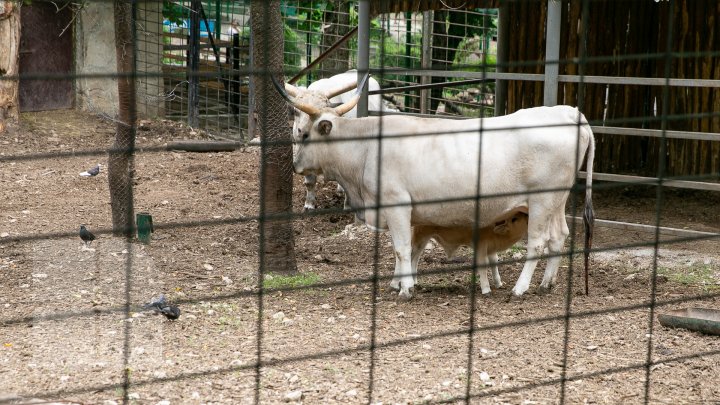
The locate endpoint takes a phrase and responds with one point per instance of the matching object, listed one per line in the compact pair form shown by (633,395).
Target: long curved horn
(291,90)
(340,90)
(344,108)
(306,108)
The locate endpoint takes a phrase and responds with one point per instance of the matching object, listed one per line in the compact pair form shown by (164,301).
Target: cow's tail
(588,215)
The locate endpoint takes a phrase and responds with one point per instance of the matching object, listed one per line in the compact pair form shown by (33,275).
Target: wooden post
(9,63)
(552,52)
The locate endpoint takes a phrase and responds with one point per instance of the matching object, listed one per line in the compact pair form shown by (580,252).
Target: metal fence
(221,95)
(405,40)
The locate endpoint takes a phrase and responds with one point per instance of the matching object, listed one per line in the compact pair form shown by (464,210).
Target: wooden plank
(646,228)
(204,146)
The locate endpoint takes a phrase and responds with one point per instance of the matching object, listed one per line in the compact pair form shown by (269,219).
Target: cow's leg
(310,196)
(493,260)
(558,233)
(398,222)
(538,224)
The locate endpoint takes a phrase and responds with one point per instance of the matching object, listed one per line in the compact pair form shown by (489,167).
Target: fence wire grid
(118,354)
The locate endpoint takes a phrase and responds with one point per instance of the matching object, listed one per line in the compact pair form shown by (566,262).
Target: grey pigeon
(86,235)
(92,172)
(156,303)
(159,305)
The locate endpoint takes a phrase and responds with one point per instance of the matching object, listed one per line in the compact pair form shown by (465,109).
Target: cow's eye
(305,136)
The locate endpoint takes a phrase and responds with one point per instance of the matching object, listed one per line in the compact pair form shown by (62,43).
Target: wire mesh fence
(78,330)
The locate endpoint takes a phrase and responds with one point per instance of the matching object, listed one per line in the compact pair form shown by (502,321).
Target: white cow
(324,93)
(431,177)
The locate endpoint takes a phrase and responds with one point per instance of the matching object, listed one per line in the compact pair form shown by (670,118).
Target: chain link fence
(270,340)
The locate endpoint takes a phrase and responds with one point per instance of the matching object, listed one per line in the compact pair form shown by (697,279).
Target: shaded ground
(65,334)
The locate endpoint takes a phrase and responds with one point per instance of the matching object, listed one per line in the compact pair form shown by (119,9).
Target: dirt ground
(65,334)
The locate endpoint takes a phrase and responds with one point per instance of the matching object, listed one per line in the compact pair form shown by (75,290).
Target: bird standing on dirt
(160,305)
(86,235)
(92,172)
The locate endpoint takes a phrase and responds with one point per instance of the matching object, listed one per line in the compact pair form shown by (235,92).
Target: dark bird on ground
(171,312)
(159,305)
(92,172)
(86,235)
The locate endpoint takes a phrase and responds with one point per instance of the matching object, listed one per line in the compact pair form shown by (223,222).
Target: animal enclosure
(73,327)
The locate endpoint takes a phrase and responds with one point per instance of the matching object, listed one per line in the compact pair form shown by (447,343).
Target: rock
(484,376)
(293,396)
(4,235)
(279,316)
(163,402)
(294,379)
(325,306)
(592,347)
(208,267)
(134,396)
(351,393)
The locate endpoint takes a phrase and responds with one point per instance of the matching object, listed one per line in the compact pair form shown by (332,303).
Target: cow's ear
(324,127)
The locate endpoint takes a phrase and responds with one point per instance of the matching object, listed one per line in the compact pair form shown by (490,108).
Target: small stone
(592,347)
(39,275)
(426,346)
(134,396)
(288,322)
(236,363)
(293,396)
(294,379)
(160,374)
(484,376)
(356,336)
(331,320)
(165,202)
(325,306)
(351,393)
(64,378)
(195,395)
(279,316)
(208,267)
(4,235)
(401,314)
(163,402)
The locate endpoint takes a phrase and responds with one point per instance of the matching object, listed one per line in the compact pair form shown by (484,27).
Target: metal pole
(426,59)
(552,52)
(363,64)
(503,51)
(194,65)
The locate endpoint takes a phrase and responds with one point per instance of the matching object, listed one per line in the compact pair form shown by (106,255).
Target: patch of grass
(701,275)
(298,280)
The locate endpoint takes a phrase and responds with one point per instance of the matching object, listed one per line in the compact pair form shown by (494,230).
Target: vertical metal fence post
(363,64)
(194,65)
(552,52)
(426,59)
(503,49)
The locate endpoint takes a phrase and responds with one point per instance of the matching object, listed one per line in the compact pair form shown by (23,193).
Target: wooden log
(204,146)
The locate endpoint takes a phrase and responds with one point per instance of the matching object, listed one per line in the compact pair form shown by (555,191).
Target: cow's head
(314,121)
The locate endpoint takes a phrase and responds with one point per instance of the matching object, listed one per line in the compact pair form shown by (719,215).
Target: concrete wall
(95,54)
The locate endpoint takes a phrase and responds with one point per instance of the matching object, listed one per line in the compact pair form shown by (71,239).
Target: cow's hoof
(518,292)
(485,293)
(513,298)
(395,285)
(404,295)
(543,290)
(308,207)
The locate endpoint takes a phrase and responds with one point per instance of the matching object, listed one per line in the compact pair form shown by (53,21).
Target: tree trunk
(338,19)
(120,163)
(9,64)
(277,244)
